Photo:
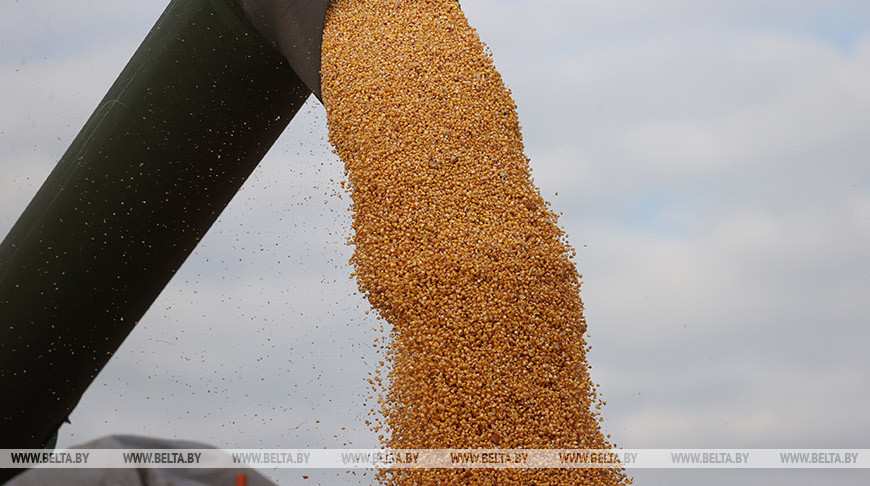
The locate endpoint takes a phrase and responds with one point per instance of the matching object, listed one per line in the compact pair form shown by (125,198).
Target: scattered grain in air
(455,247)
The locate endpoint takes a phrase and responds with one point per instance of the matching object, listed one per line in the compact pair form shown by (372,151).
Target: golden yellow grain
(455,247)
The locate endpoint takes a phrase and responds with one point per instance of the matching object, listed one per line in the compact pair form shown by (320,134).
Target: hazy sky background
(710,159)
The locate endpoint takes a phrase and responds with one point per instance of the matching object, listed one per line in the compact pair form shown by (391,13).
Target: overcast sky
(711,162)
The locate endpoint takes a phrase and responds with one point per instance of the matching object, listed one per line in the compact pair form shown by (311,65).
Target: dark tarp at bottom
(140,476)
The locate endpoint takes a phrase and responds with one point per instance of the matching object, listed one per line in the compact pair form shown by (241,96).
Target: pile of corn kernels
(455,247)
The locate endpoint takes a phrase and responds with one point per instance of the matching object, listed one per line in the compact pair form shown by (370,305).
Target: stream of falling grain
(455,247)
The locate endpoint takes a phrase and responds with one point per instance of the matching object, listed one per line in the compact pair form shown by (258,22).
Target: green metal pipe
(294,28)
(196,108)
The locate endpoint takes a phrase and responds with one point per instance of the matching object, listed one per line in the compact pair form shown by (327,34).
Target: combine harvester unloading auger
(199,104)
